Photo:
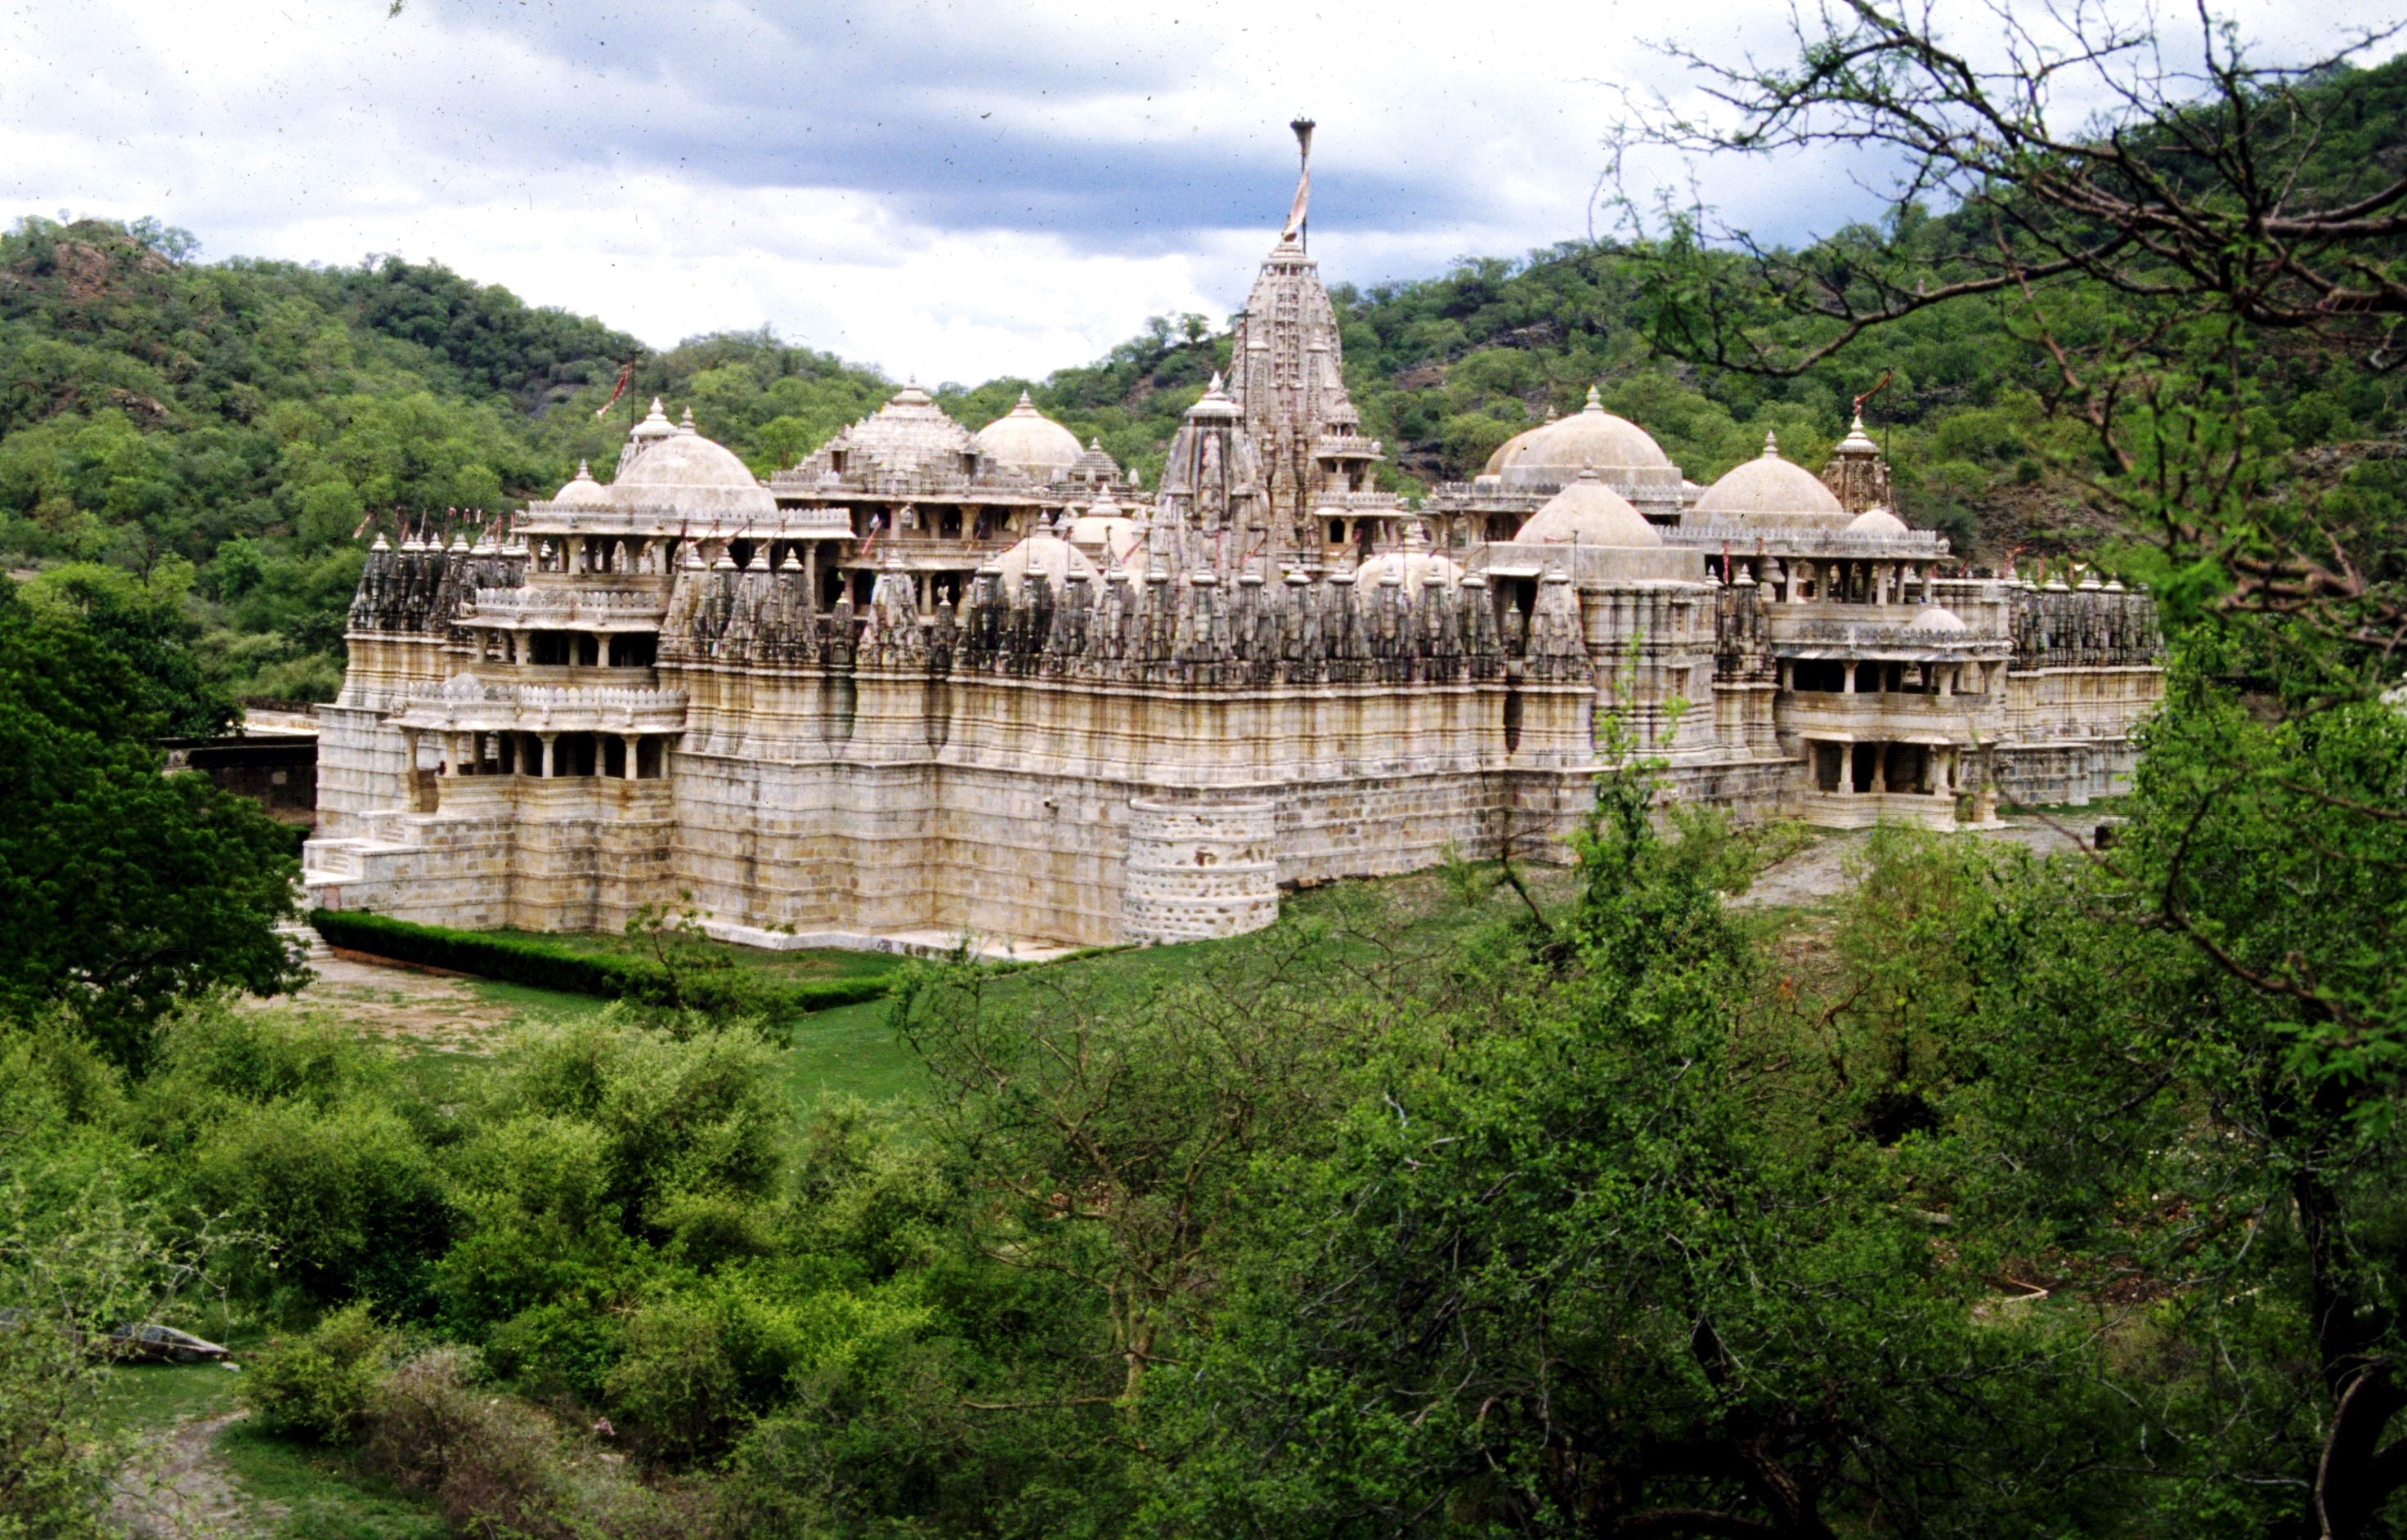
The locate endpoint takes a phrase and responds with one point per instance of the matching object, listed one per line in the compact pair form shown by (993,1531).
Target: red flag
(626,373)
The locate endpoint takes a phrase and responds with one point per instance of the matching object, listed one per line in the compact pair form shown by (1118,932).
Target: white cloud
(950,188)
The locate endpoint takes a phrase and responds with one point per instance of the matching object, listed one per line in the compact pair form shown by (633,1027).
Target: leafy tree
(144,624)
(127,890)
(1564,1275)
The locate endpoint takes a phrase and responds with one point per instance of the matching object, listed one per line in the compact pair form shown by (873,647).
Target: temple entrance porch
(1854,783)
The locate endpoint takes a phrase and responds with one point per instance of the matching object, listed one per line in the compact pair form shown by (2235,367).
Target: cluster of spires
(2092,625)
(1136,629)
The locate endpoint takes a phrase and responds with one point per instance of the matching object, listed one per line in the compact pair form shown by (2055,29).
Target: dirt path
(176,1487)
(402,1005)
(1819,873)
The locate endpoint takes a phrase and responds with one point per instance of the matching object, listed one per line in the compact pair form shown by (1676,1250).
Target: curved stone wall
(1201,869)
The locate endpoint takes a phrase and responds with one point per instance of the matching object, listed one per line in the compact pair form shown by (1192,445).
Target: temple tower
(1287,377)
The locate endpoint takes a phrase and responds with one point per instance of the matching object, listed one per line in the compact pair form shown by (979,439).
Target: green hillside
(215,433)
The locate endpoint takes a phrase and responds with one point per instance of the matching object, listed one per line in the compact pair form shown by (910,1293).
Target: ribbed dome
(582,492)
(1935,618)
(1044,555)
(1592,437)
(1769,487)
(1588,513)
(908,435)
(691,474)
(1877,522)
(1026,440)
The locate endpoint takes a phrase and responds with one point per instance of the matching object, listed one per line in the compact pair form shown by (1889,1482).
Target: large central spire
(1285,375)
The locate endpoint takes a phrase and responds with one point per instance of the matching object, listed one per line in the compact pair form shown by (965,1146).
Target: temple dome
(1044,555)
(1414,566)
(1105,532)
(908,435)
(1877,522)
(1936,619)
(691,474)
(1026,440)
(1588,513)
(1769,487)
(582,491)
(1591,438)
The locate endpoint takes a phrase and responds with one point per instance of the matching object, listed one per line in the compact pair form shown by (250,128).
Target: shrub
(334,1204)
(495,1465)
(525,960)
(675,1119)
(513,959)
(322,1386)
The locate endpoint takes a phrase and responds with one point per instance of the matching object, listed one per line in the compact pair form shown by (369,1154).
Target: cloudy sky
(951,191)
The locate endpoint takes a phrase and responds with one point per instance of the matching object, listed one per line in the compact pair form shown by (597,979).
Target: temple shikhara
(932,685)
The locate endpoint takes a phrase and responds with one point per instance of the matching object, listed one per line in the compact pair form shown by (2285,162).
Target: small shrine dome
(1557,451)
(654,427)
(1939,620)
(691,474)
(1215,402)
(1026,440)
(1413,566)
(1588,513)
(1045,555)
(1770,488)
(582,491)
(1105,532)
(1877,522)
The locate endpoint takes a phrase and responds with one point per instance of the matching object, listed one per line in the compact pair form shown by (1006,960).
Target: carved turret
(1857,474)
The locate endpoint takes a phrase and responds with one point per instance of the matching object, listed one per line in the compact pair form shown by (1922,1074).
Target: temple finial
(1295,214)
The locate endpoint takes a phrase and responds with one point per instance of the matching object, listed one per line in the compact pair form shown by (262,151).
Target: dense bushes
(320,1387)
(526,959)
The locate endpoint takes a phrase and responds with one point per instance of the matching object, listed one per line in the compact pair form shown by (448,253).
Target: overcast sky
(950,191)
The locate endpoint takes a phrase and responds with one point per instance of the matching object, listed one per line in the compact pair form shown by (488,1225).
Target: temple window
(633,649)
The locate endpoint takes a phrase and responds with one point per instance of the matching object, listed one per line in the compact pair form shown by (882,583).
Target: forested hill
(191,447)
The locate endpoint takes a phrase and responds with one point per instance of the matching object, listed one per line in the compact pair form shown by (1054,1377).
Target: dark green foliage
(323,1386)
(517,959)
(126,890)
(678,982)
(297,1143)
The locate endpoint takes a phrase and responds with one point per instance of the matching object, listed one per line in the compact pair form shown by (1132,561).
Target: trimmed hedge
(525,960)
